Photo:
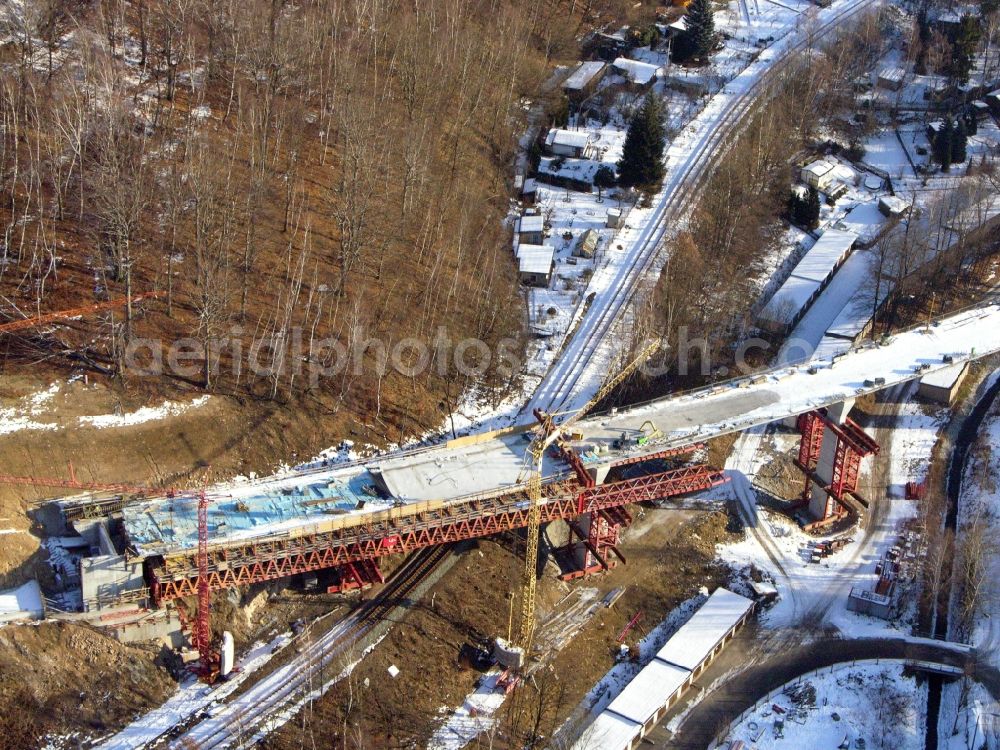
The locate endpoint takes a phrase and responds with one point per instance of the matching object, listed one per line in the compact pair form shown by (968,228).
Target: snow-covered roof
(680,24)
(893,74)
(636,71)
(830,249)
(583,75)
(526,248)
(572,138)
(808,276)
(993,95)
(535,223)
(698,636)
(893,203)
(945,378)
(608,731)
(786,303)
(819,167)
(535,258)
(648,691)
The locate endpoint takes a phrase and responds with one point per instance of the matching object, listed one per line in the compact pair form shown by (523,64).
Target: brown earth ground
(57,678)
(670,555)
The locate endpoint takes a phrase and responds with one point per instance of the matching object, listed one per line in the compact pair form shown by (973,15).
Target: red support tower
(811,426)
(853,444)
(203,623)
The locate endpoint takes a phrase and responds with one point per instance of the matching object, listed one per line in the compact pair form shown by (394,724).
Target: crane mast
(551,433)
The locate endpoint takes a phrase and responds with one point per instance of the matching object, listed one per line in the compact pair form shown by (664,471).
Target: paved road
(785,661)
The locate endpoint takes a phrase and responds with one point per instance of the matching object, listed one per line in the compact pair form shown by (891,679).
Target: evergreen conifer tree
(959,141)
(641,164)
(701,27)
(812,209)
(604,178)
(942,145)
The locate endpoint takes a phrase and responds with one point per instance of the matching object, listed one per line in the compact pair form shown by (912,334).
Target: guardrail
(720,738)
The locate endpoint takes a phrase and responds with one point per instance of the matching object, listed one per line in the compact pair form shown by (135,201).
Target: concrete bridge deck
(471,468)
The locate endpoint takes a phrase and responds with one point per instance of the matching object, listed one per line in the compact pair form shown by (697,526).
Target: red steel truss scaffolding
(853,444)
(599,535)
(268,559)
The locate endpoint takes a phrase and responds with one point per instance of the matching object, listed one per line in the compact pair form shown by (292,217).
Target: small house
(892,205)
(835,191)
(942,386)
(980,110)
(819,174)
(892,79)
(586,245)
(872,603)
(933,128)
(529,192)
(583,81)
(530,230)
(608,46)
(993,101)
(614,218)
(677,28)
(640,75)
(535,264)
(576,144)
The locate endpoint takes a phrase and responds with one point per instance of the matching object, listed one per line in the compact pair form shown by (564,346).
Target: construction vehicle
(514,653)
(625,441)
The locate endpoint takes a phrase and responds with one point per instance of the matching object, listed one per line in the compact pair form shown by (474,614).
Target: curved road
(724,703)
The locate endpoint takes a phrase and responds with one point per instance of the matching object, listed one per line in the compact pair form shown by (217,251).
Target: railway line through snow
(582,366)
(319,663)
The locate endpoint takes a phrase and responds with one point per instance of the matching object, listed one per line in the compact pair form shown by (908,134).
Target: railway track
(683,187)
(319,664)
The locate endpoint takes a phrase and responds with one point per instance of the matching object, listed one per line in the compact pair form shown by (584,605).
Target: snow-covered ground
(969,717)
(979,506)
(192,698)
(864,705)
(811,591)
(144,414)
(37,412)
(589,355)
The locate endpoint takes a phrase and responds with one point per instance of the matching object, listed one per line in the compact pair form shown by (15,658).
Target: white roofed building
(535,264)
(640,75)
(577,144)
(807,280)
(819,174)
(583,81)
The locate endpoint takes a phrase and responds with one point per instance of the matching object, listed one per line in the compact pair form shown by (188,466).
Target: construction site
(150,563)
(545,375)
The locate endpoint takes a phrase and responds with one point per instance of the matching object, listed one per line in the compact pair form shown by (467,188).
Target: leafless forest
(283,174)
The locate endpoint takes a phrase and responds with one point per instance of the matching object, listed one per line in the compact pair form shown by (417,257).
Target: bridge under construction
(350,515)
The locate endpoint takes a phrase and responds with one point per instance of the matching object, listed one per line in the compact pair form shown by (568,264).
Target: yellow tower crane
(516,653)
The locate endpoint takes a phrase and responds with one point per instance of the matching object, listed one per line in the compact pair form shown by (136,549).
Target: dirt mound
(59,678)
